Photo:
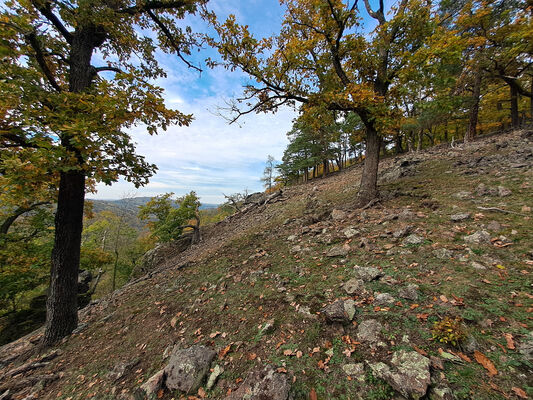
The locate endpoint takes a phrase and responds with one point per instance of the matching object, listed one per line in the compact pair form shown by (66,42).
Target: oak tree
(75,76)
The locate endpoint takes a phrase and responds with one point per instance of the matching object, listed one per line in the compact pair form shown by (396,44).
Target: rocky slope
(426,294)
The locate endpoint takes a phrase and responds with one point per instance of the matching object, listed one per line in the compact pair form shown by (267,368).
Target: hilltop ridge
(425,294)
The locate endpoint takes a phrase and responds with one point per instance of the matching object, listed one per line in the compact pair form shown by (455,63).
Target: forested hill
(130,205)
(425,294)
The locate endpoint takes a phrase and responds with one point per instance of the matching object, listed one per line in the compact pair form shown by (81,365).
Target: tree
(69,115)
(268,173)
(167,218)
(322,59)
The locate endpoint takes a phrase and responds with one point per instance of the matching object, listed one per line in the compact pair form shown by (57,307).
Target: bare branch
(169,36)
(153,5)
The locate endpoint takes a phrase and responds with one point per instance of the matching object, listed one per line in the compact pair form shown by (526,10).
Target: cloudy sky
(210,156)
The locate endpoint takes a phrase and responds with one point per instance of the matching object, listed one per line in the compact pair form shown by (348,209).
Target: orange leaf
(160,393)
(519,392)
(464,357)
(202,393)
(420,351)
(510,341)
(486,363)
(222,353)
(312,394)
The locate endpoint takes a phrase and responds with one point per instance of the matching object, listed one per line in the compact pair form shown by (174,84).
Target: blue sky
(210,156)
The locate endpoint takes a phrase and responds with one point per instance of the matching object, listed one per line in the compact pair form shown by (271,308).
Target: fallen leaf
(443,298)
(312,394)
(281,370)
(222,353)
(519,392)
(299,354)
(202,393)
(486,363)
(510,341)
(420,351)
(160,393)
(252,356)
(288,352)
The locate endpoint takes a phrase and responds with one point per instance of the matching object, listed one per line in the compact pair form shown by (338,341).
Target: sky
(210,156)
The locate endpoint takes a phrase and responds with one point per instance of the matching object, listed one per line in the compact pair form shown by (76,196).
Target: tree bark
(515,120)
(474,110)
(62,301)
(368,189)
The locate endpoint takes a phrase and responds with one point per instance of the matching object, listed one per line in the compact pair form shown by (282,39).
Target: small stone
(503,191)
(494,226)
(383,299)
(338,215)
(400,233)
(482,190)
(262,384)
(471,344)
(408,374)
(463,195)
(354,286)
(349,308)
(187,368)
(443,254)
(355,370)
(525,347)
(338,251)
(296,249)
(350,232)
(292,238)
(150,388)
(340,312)
(479,237)
(413,240)
(367,274)
(409,292)
(460,217)
(267,327)
(478,266)
(369,331)
(217,371)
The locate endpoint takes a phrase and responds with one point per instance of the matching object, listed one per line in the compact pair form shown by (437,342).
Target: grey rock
(187,368)
(503,191)
(262,384)
(383,299)
(479,237)
(267,327)
(413,240)
(122,369)
(460,217)
(292,238)
(471,344)
(217,371)
(296,249)
(354,287)
(355,370)
(525,347)
(367,274)
(149,389)
(339,311)
(463,195)
(440,393)
(338,215)
(478,266)
(350,232)
(406,215)
(443,254)
(400,233)
(338,251)
(408,374)
(369,331)
(494,226)
(409,292)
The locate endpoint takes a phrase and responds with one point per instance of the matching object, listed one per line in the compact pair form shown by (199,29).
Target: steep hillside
(426,293)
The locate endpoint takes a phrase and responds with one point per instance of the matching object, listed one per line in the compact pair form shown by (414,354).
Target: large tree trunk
(515,120)
(368,189)
(62,301)
(62,304)
(474,111)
